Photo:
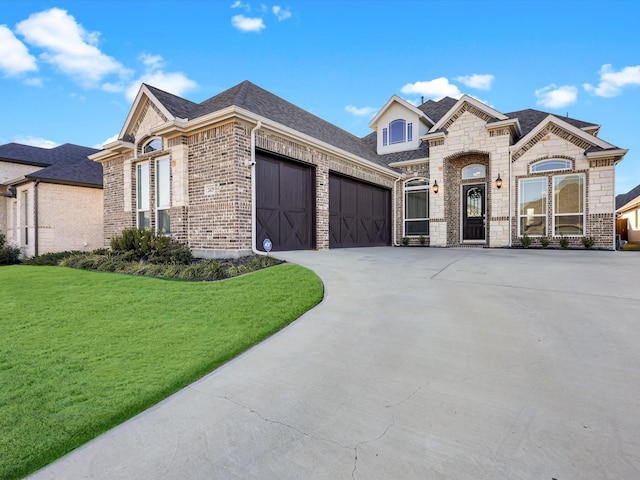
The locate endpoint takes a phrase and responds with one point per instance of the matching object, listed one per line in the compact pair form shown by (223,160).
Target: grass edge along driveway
(80,352)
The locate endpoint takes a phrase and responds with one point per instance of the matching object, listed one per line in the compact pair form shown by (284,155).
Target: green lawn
(82,351)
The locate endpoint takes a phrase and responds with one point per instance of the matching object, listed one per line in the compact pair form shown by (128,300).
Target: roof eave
(408,163)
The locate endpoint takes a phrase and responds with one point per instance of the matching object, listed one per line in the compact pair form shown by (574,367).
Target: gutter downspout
(395,209)
(510,204)
(35,218)
(252,163)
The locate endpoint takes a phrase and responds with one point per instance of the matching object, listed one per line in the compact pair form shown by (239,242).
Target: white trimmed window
(397,131)
(163,195)
(416,207)
(152,145)
(532,207)
(568,204)
(474,171)
(143,203)
(550,165)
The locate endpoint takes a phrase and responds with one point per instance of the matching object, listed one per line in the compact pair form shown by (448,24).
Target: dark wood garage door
(284,204)
(359,213)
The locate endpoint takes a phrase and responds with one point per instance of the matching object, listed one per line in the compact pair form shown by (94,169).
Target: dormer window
(399,131)
(152,145)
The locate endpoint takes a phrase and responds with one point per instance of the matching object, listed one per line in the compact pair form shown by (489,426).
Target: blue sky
(69,70)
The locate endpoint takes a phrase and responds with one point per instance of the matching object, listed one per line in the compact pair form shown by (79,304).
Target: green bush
(525,241)
(405,241)
(544,241)
(9,254)
(144,244)
(564,242)
(50,259)
(422,240)
(588,242)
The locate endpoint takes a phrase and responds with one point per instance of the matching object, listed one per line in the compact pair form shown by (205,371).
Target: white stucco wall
(394,112)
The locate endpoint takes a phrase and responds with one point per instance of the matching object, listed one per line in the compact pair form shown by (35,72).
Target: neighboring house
(246,166)
(628,212)
(50,199)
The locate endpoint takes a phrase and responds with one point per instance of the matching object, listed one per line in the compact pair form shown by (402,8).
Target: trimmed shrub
(50,259)
(525,241)
(9,254)
(564,242)
(588,242)
(143,244)
(544,241)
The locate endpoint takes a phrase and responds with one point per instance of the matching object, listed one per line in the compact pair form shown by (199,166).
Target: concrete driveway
(420,363)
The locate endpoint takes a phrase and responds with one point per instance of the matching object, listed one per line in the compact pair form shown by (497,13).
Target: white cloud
(612,82)
(69,47)
(435,89)
(112,138)
(247,24)
(14,55)
(553,96)
(36,142)
(477,81)
(239,4)
(360,112)
(280,13)
(34,82)
(173,82)
(151,61)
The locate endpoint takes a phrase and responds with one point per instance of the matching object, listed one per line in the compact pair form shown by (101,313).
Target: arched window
(550,165)
(152,145)
(416,207)
(471,172)
(397,131)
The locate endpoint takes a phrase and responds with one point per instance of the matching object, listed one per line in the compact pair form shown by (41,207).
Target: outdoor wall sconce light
(435,186)
(499,182)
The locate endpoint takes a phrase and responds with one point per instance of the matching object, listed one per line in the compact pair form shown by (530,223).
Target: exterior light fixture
(435,186)
(499,182)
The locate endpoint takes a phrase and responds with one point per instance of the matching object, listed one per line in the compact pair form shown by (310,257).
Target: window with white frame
(143,201)
(397,131)
(532,208)
(550,165)
(152,145)
(416,207)
(568,204)
(474,171)
(163,195)
(25,217)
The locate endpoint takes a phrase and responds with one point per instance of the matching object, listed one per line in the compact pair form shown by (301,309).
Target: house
(246,170)
(628,215)
(50,199)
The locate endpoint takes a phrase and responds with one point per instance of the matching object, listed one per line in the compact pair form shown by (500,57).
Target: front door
(473,212)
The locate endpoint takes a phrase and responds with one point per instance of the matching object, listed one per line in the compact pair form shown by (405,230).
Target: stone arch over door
(453,166)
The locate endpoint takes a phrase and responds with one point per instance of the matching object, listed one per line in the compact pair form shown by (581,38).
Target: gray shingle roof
(624,198)
(261,102)
(530,119)
(67,164)
(435,110)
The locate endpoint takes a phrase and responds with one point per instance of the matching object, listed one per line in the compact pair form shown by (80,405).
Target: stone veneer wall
(453,186)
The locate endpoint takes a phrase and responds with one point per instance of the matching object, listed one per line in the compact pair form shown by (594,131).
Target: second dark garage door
(359,213)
